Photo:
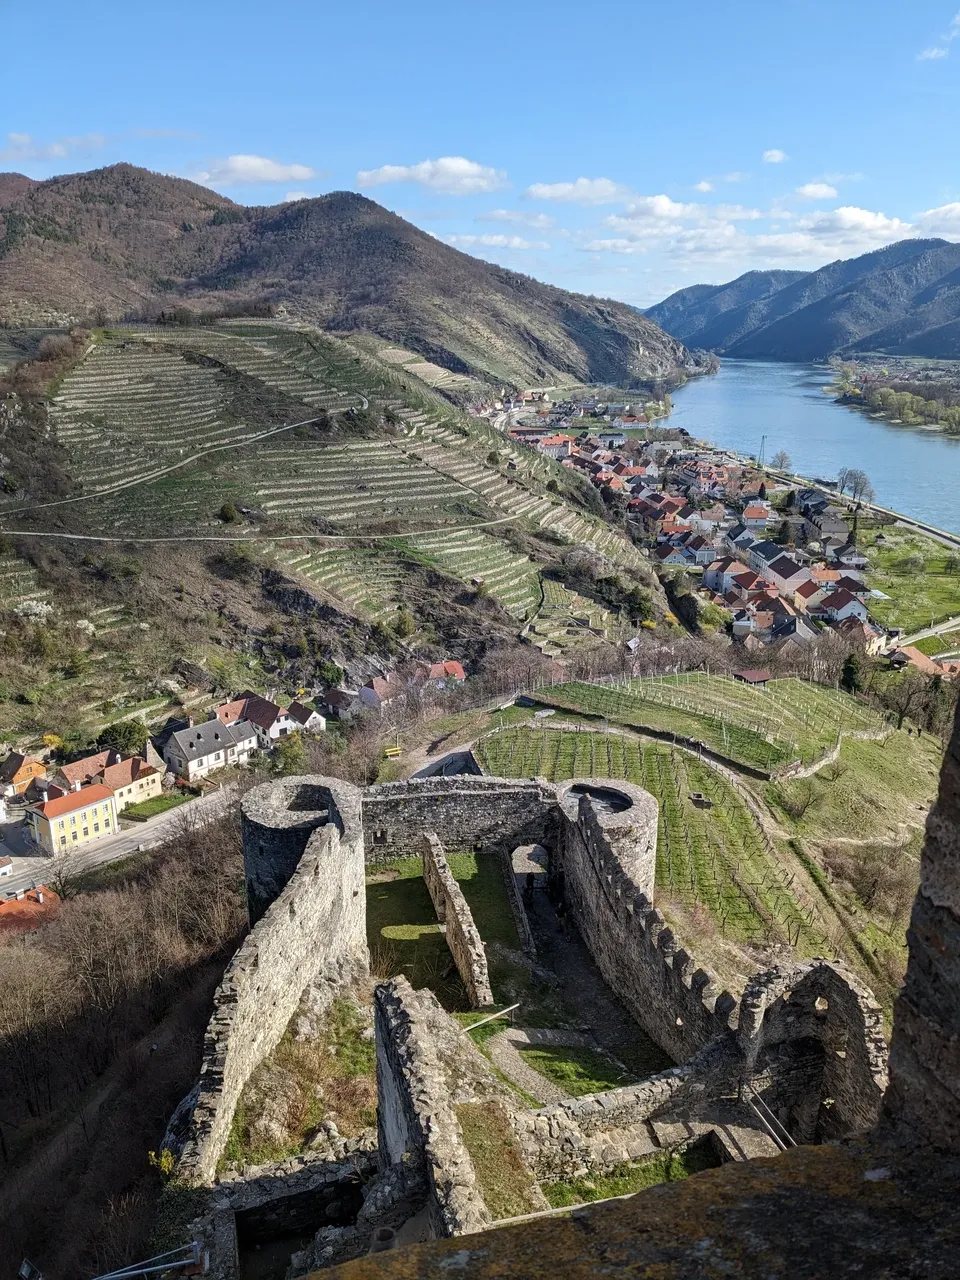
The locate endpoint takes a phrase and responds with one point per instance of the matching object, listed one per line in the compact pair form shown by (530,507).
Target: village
(783,562)
(52,810)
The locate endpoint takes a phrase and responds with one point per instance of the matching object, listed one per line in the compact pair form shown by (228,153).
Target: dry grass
(506,1184)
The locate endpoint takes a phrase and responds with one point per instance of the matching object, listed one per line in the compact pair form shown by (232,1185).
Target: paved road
(30,868)
(951,624)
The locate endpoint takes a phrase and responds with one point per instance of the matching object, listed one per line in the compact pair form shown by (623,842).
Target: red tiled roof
(21,914)
(230,712)
(89,767)
(126,771)
(75,800)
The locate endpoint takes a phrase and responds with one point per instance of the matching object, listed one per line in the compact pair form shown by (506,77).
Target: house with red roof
(756,515)
(379,691)
(68,821)
(28,909)
(440,673)
(838,605)
(17,772)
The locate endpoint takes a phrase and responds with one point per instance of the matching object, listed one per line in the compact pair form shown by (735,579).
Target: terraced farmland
(710,854)
(567,618)
(475,556)
(368,582)
(764,727)
(348,483)
(18,583)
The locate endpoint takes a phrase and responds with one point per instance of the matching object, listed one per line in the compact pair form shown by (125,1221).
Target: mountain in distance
(901,300)
(123,240)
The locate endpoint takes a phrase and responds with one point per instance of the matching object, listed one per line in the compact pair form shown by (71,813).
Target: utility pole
(763,442)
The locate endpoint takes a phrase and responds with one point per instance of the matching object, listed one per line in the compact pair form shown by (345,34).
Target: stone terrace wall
(497,813)
(315,929)
(601,856)
(415,1118)
(463,937)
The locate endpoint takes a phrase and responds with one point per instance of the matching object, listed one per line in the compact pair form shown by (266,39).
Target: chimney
(40,896)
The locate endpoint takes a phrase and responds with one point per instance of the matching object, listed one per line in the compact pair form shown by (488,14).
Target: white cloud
(496,242)
(942,221)
(581,191)
(703,185)
(538,221)
(448,176)
(817,191)
(296,195)
(227,171)
(774,156)
(942,50)
(735,176)
(24,147)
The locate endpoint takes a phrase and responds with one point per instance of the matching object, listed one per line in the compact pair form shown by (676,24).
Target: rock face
(339,260)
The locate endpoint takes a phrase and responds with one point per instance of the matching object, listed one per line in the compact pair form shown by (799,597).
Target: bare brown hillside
(123,240)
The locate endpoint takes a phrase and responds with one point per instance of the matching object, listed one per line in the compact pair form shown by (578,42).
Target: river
(912,470)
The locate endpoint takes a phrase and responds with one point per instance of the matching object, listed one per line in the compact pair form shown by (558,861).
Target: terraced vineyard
(764,727)
(567,618)
(710,853)
(368,582)
(475,556)
(18,583)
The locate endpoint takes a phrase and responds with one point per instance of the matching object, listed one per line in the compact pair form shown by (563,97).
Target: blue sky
(618,147)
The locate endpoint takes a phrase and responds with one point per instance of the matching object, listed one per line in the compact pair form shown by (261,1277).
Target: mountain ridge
(903,299)
(122,240)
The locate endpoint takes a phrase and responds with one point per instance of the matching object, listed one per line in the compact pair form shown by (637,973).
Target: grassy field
(150,808)
(715,859)
(917,575)
(576,1071)
(945,642)
(507,1187)
(787,720)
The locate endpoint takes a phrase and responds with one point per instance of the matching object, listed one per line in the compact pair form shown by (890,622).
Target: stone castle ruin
(799,1058)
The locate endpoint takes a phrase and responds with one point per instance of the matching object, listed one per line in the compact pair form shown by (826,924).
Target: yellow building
(74,819)
(132,781)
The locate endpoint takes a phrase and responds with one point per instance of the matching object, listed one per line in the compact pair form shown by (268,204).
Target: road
(31,868)
(951,624)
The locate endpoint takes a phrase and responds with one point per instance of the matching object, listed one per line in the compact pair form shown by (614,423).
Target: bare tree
(781,461)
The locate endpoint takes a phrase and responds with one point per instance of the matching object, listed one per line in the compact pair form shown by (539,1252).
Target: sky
(621,148)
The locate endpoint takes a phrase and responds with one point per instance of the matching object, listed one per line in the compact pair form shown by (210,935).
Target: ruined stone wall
(314,930)
(923,1101)
(463,937)
(497,813)
(810,1032)
(607,864)
(416,1121)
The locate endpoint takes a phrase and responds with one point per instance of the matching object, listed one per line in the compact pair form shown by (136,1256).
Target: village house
(756,516)
(28,910)
(268,721)
(760,555)
(379,691)
(343,704)
(308,720)
(198,749)
(785,574)
(440,674)
(838,605)
(808,594)
(132,781)
(864,635)
(75,819)
(17,772)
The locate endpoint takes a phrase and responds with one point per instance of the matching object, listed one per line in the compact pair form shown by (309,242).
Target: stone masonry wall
(497,813)
(607,865)
(415,1118)
(463,937)
(315,929)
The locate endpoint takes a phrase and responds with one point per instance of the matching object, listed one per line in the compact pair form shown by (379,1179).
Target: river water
(913,471)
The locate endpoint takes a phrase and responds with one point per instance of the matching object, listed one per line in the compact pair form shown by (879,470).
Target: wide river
(913,471)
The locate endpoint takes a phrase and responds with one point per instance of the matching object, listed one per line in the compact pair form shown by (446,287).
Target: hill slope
(123,239)
(904,299)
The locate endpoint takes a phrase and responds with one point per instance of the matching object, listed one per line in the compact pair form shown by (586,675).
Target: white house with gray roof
(199,749)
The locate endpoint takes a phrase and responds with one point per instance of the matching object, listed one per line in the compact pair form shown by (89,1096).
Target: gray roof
(207,737)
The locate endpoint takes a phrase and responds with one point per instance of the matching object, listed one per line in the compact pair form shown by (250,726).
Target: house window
(63,842)
(73,821)
(73,836)
(96,826)
(60,825)
(86,832)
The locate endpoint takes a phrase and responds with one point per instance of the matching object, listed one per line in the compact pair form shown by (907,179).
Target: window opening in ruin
(379,837)
(821,1004)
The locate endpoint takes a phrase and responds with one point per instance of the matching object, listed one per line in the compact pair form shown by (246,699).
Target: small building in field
(77,818)
(755,676)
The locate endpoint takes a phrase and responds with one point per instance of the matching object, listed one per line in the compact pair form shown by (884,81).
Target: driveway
(31,867)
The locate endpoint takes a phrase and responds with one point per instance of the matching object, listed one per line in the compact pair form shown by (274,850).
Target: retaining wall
(462,935)
(497,813)
(315,929)
(416,1122)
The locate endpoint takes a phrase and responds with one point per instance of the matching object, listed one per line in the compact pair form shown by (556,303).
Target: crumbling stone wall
(604,864)
(811,1032)
(315,929)
(453,912)
(416,1121)
(498,814)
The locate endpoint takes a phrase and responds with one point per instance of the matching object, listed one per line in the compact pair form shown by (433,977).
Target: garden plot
(128,410)
(479,558)
(368,582)
(350,483)
(711,853)
(761,726)
(566,618)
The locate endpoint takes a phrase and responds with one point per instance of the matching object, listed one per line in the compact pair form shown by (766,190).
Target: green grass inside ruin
(576,1070)
(507,1187)
(626,1179)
